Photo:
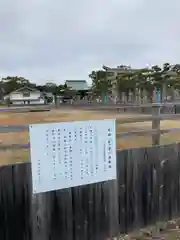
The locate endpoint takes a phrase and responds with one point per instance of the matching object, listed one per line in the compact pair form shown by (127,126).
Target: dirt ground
(73,115)
(169,230)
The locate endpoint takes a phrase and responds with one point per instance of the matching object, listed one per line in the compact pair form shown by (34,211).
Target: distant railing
(156,132)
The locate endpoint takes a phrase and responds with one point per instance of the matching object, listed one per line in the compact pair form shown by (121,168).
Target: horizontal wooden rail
(93,106)
(4,147)
(144,118)
(24,109)
(147,118)
(13,128)
(122,106)
(14,147)
(147,132)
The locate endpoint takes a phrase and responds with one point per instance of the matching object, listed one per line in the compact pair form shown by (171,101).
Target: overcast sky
(45,40)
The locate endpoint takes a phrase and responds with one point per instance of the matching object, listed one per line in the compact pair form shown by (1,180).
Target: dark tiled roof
(25,89)
(77,84)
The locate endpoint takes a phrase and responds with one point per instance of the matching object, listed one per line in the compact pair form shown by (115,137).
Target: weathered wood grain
(15,202)
(147,190)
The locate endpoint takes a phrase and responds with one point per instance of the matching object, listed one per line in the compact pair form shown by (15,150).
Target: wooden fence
(147,190)
(155,118)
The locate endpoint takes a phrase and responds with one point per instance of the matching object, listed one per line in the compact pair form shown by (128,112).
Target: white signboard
(72,154)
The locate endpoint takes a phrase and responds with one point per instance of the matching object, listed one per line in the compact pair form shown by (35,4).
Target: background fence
(147,190)
(155,117)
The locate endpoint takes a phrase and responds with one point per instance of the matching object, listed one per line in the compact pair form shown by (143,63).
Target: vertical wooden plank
(100,229)
(41,216)
(166,183)
(171,180)
(129,192)
(178,178)
(173,176)
(154,189)
(161,178)
(175,181)
(149,190)
(122,156)
(136,159)
(145,188)
(87,214)
(6,200)
(128,185)
(62,216)
(22,195)
(106,207)
(14,204)
(157,183)
(91,213)
(86,207)
(111,193)
(77,199)
(149,171)
(167,186)
(113,208)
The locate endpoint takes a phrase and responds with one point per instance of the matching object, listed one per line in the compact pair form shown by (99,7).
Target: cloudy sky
(45,40)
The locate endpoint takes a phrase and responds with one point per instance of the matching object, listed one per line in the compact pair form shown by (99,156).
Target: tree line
(130,80)
(10,84)
(127,80)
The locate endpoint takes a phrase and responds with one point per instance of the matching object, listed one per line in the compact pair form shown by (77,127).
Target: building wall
(19,96)
(28,102)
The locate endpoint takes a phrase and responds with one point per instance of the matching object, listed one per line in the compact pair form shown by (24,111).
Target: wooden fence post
(156,125)
(57,102)
(113,208)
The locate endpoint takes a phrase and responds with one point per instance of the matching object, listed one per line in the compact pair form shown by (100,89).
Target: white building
(26,96)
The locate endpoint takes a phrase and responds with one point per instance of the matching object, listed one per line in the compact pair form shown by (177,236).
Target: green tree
(175,82)
(125,83)
(51,88)
(10,84)
(101,86)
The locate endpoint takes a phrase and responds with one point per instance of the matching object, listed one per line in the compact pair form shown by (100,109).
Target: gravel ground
(169,230)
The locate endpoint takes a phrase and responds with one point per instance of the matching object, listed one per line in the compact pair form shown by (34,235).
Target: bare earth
(168,230)
(7,157)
